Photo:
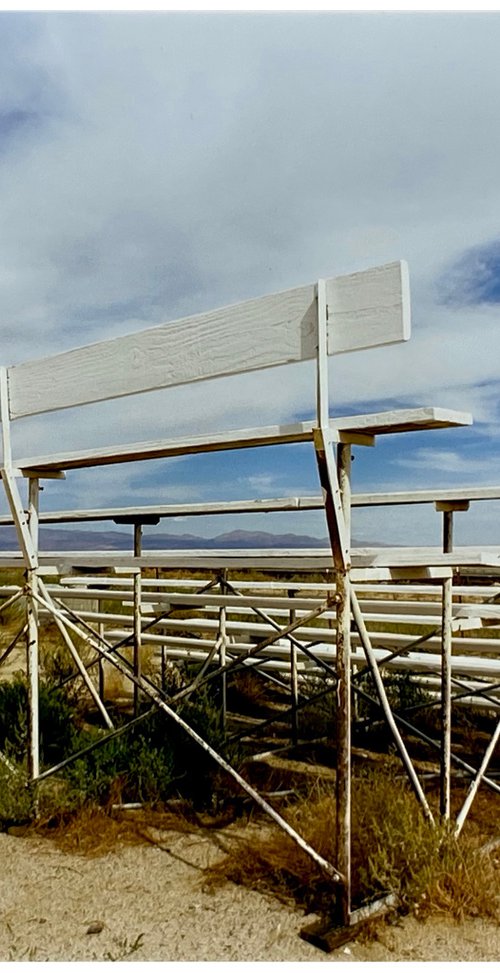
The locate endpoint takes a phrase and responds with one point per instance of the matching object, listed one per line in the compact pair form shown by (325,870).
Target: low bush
(15,798)
(121,770)
(149,763)
(58,732)
(394,849)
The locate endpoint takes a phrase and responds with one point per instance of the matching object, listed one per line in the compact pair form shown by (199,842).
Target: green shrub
(15,798)
(150,762)
(57,721)
(123,769)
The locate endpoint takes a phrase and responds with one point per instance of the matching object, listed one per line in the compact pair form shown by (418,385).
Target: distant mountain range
(67,539)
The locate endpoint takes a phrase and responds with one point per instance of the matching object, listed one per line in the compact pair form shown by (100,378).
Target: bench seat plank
(403,420)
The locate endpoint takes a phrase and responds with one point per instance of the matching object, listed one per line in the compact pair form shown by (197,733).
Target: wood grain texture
(402,420)
(452,496)
(368,308)
(368,564)
(233,439)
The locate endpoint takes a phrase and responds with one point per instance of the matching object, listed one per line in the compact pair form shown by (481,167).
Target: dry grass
(394,850)
(94,831)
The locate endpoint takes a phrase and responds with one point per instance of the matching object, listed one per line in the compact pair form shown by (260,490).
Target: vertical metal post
(222,650)
(335,483)
(447,509)
(294,683)
(447,528)
(163,668)
(32,648)
(138,523)
(102,684)
(445,794)
(137,616)
(344,697)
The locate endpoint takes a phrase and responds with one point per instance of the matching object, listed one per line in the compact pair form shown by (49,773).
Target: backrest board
(365,310)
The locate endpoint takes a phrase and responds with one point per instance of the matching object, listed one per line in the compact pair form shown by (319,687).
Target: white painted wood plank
(65,561)
(268,331)
(374,423)
(364,569)
(261,506)
(234,439)
(367,308)
(426,496)
(414,556)
(177,510)
(167,583)
(403,420)
(406,573)
(365,590)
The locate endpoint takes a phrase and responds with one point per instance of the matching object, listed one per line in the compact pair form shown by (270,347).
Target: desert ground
(150,902)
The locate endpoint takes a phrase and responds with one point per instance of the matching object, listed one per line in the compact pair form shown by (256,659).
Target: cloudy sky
(157,165)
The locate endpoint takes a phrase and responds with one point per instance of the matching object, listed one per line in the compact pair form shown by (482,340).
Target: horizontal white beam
(386,566)
(371,424)
(454,494)
(178,510)
(468,665)
(160,449)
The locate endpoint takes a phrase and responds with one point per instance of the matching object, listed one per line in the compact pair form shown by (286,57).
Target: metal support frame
(334,470)
(157,697)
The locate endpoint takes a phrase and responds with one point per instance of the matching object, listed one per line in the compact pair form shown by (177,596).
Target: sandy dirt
(148,903)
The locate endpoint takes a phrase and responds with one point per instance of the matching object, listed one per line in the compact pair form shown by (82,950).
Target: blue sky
(157,165)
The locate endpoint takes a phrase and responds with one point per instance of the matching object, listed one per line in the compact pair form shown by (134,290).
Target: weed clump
(394,849)
(15,798)
(148,763)
(58,732)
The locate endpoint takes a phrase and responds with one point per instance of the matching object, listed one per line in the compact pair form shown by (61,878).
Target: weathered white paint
(403,420)
(450,496)
(367,309)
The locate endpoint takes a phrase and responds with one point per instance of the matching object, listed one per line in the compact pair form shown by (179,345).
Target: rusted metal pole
(222,650)
(335,479)
(447,588)
(343,799)
(294,682)
(32,648)
(447,509)
(102,678)
(137,616)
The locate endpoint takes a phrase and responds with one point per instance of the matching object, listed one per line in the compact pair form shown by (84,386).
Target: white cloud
(176,163)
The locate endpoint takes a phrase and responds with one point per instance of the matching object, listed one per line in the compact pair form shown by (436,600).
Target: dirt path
(151,905)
